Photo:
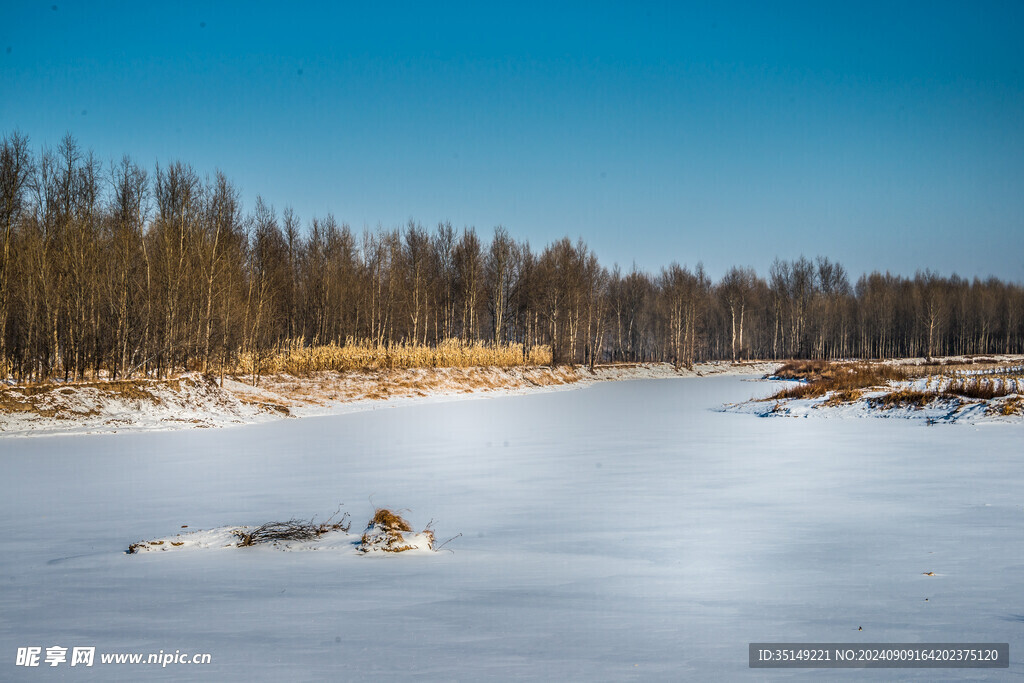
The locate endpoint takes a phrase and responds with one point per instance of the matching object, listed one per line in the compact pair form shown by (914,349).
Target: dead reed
(359,355)
(823,377)
(980,388)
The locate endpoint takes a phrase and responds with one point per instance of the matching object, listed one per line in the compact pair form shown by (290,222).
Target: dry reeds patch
(906,397)
(809,370)
(824,377)
(298,359)
(985,389)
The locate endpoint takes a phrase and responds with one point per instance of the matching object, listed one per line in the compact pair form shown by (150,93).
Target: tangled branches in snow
(292,530)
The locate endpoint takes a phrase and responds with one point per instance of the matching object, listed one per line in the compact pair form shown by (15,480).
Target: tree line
(116,270)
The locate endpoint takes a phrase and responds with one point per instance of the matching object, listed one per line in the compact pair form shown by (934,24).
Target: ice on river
(622,530)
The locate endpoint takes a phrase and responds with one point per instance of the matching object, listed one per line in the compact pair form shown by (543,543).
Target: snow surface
(622,531)
(193,402)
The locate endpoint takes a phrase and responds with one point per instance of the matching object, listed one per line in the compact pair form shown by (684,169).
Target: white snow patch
(227,537)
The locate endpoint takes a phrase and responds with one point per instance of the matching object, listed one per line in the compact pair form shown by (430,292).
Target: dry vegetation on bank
(299,360)
(906,385)
(824,377)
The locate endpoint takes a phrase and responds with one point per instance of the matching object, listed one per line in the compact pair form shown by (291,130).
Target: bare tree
(500,275)
(16,172)
(736,288)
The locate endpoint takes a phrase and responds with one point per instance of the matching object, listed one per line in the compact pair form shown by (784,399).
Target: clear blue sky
(883,135)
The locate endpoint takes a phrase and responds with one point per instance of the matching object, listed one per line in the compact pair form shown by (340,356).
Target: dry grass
(384,532)
(300,360)
(843,397)
(845,383)
(809,370)
(843,378)
(389,520)
(1013,406)
(901,398)
(36,397)
(975,388)
(984,389)
(15,401)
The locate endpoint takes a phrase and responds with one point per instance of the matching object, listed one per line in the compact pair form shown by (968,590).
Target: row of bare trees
(113,269)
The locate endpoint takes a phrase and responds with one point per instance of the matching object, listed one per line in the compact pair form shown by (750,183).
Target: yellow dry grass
(1013,406)
(298,359)
(901,398)
(387,519)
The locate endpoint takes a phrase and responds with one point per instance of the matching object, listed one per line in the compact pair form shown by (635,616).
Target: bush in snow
(386,532)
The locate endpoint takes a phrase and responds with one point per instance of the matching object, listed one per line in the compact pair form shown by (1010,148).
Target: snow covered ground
(193,401)
(621,531)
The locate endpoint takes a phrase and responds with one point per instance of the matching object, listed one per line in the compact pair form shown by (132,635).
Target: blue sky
(886,136)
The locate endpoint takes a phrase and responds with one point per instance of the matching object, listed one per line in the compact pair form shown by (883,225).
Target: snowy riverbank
(945,390)
(193,401)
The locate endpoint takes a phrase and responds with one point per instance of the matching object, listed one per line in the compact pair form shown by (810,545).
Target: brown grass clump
(843,378)
(384,532)
(390,521)
(906,397)
(843,397)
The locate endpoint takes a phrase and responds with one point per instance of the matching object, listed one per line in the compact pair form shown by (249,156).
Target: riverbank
(195,401)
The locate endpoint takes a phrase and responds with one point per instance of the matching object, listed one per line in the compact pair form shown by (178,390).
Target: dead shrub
(292,530)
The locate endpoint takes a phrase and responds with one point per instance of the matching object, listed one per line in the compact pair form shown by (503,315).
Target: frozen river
(625,530)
